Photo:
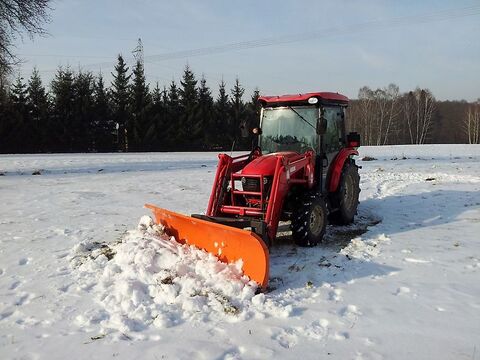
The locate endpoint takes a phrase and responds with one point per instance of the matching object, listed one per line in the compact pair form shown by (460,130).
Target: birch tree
(418,109)
(365,106)
(472,123)
(377,112)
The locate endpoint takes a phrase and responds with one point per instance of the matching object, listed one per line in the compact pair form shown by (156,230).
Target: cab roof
(323,97)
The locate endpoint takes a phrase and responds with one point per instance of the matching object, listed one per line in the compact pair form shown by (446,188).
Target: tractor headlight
(265,180)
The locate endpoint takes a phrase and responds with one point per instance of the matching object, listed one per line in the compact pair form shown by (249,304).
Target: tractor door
(333,139)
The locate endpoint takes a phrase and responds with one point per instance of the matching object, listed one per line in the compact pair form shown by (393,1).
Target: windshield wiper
(301,117)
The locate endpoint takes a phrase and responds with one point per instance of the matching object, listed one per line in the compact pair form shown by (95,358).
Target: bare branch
(18,17)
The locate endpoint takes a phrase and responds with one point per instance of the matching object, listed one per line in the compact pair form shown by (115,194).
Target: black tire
(309,219)
(345,199)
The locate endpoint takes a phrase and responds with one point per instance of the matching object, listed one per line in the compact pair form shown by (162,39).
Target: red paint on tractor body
(288,169)
(335,171)
(295,98)
(265,164)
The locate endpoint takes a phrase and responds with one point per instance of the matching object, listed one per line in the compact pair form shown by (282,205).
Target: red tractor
(302,171)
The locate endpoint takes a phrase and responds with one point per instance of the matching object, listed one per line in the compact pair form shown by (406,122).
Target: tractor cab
(313,121)
(289,128)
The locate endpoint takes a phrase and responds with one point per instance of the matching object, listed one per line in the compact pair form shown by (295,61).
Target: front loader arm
(226,166)
(286,174)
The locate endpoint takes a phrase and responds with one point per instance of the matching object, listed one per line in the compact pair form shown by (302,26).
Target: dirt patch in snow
(336,237)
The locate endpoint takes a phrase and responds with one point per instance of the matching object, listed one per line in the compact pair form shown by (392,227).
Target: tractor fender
(337,166)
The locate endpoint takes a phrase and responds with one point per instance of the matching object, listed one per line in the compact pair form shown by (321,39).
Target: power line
(68,56)
(441,15)
(333,31)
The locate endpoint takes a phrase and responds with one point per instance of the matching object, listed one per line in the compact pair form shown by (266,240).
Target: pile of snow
(364,250)
(150,280)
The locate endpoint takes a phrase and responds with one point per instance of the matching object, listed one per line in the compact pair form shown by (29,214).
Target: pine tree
(61,131)
(174,138)
(3,91)
(18,94)
(5,116)
(103,125)
(19,135)
(188,134)
(157,113)
(205,119)
(38,104)
(164,140)
(237,111)
(141,105)
(252,118)
(221,119)
(83,117)
(188,91)
(120,101)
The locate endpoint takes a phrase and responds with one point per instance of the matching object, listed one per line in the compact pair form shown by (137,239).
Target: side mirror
(321,125)
(353,140)
(257,131)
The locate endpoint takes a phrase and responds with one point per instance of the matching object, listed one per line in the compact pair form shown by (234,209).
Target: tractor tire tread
(343,215)
(300,221)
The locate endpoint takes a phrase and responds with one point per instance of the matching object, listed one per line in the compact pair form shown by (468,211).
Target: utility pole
(138,52)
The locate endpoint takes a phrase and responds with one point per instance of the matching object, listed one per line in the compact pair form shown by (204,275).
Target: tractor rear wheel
(345,199)
(309,219)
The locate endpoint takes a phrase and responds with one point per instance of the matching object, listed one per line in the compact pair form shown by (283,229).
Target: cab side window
(333,135)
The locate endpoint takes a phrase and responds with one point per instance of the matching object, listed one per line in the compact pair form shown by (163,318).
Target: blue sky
(443,56)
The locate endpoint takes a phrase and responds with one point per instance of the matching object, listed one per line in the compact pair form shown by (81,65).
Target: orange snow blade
(227,243)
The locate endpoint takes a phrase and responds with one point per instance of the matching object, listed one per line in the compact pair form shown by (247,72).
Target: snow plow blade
(227,243)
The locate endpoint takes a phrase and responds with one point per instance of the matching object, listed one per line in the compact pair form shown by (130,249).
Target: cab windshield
(283,129)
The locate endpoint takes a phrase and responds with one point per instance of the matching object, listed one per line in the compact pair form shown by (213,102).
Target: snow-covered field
(79,278)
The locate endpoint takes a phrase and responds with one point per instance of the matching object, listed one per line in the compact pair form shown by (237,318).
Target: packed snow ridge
(150,280)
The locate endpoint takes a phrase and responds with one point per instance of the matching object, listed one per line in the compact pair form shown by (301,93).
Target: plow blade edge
(227,243)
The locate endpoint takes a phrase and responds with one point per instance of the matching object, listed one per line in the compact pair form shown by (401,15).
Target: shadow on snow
(296,267)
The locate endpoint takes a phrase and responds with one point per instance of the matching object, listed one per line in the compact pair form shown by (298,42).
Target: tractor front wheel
(309,219)
(346,197)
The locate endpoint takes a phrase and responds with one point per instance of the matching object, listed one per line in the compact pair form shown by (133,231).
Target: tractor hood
(265,165)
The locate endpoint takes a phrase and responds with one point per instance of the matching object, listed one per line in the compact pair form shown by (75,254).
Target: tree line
(385,116)
(81,114)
